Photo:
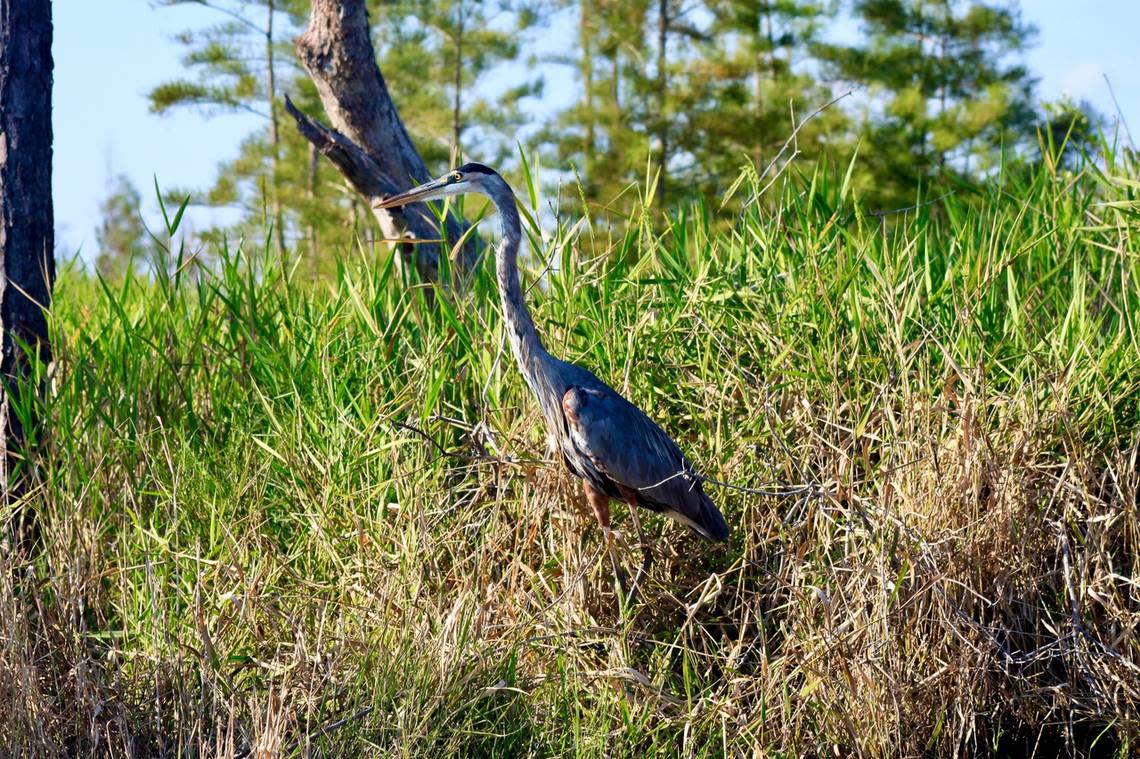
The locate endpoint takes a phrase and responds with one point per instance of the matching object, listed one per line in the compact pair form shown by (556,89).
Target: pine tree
(121,236)
(27,242)
(238,63)
(740,97)
(604,137)
(321,214)
(699,89)
(670,34)
(1071,132)
(944,89)
(436,56)
(246,63)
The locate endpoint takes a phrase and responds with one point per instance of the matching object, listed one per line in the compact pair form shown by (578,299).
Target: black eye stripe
(476,168)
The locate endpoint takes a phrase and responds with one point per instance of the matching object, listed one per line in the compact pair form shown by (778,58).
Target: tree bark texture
(363,172)
(27,265)
(336,50)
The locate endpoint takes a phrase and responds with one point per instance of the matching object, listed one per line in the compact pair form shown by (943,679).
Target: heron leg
(600,503)
(646,551)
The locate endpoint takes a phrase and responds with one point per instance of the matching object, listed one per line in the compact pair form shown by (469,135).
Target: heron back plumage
(615,445)
(603,438)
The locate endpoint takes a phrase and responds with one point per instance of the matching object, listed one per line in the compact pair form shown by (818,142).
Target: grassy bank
(318,519)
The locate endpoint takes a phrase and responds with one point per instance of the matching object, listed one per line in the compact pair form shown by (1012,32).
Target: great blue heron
(609,443)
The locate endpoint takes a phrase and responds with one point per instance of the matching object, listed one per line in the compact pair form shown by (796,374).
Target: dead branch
(370,145)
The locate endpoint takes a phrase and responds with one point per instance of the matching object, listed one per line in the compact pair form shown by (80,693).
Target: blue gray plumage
(609,443)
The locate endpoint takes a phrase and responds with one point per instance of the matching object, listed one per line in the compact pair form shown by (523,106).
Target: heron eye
(456,176)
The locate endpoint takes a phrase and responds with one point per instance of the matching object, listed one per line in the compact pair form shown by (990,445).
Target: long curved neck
(533,359)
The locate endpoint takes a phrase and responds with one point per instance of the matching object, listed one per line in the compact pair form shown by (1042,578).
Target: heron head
(470,177)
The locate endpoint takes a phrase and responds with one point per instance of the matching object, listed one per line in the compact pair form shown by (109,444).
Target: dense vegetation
(929,91)
(317,519)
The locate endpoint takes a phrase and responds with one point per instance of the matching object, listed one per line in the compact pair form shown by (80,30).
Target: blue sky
(108,54)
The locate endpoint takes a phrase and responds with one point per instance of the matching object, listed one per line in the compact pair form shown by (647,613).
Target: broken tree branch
(368,179)
(370,140)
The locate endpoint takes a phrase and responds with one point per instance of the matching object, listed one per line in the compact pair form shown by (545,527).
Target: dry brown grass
(272,568)
(978,596)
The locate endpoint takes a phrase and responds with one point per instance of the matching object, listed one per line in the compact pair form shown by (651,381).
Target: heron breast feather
(574,402)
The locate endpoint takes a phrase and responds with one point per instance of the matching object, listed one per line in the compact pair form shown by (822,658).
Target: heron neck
(529,352)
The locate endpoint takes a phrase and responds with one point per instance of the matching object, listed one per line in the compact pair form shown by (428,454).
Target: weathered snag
(336,50)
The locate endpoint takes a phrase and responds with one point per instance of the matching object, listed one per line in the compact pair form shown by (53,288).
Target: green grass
(242,545)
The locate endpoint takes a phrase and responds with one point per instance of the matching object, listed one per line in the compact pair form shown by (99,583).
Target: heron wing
(628,447)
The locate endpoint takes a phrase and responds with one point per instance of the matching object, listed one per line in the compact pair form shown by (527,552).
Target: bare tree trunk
(274,134)
(27,264)
(585,42)
(457,106)
(615,78)
(336,50)
(363,172)
(314,168)
(662,85)
(761,22)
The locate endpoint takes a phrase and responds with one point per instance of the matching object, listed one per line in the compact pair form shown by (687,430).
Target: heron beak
(428,191)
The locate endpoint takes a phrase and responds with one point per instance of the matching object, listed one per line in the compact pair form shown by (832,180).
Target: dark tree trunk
(336,50)
(662,90)
(27,265)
